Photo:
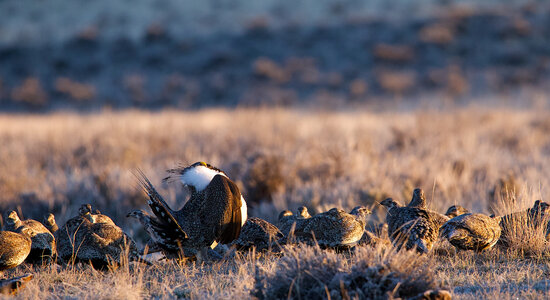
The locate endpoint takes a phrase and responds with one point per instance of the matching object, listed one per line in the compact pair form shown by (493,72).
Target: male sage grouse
(334,228)
(43,242)
(83,239)
(472,231)
(456,210)
(14,248)
(214,213)
(413,227)
(257,233)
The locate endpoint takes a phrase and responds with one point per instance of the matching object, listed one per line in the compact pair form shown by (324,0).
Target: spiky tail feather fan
(158,205)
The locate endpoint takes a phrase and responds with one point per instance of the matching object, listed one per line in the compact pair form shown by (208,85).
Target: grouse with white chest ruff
(214,213)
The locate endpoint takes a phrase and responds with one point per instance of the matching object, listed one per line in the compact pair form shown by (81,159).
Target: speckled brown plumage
(412,227)
(43,242)
(371,239)
(456,210)
(101,244)
(287,221)
(211,215)
(472,231)
(94,216)
(13,285)
(50,224)
(418,199)
(14,248)
(333,228)
(258,233)
(534,217)
(368,238)
(433,295)
(380,230)
(360,213)
(160,239)
(439,218)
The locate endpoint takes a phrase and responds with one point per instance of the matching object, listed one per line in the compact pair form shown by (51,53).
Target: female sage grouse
(418,199)
(257,233)
(82,239)
(14,248)
(413,227)
(534,217)
(95,215)
(289,223)
(456,210)
(334,228)
(472,231)
(51,225)
(12,285)
(43,242)
(214,213)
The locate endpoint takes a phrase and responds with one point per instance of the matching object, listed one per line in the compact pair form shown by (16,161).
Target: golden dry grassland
(488,160)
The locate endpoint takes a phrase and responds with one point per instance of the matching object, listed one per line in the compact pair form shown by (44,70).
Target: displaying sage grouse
(258,233)
(533,218)
(290,223)
(334,228)
(148,222)
(469,231)
(43,242)
(413,227)
(14,248)
(456,210)
(214,213)
(102,244)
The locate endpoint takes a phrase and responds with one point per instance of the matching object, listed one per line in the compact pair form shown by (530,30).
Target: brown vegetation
(320,160)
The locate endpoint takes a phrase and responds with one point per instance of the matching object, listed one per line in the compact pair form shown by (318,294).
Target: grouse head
(456,210)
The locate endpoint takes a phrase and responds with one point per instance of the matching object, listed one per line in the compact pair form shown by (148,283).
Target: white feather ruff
(244,211)
(199,177)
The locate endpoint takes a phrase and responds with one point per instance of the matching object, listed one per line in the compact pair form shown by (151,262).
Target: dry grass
(524,231)
(366,273)
(318,159)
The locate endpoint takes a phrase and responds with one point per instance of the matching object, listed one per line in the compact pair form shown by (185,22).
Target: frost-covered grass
(292,158)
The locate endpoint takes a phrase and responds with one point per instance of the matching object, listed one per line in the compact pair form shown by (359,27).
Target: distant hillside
(455,53)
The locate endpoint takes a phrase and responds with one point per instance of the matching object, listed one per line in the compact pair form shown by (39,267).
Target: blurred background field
(185,54)
(317,103)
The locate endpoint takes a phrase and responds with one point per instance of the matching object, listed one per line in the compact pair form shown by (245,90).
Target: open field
(347,57)
(283,159)
(302,103)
